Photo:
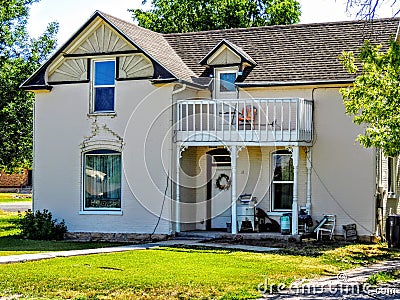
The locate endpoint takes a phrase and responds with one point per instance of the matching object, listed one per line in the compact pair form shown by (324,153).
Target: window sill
(101,212)
(278,213)
(102,114)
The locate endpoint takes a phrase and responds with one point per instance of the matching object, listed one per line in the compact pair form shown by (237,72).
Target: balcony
(252,121)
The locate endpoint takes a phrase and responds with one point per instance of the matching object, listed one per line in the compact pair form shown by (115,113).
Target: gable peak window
(103,84)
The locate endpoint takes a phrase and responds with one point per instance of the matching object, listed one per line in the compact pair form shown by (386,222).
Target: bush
(41,226)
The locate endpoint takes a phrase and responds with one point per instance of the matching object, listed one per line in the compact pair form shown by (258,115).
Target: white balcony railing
(244,120)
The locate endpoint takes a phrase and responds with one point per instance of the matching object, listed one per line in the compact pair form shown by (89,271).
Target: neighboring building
(241,111)
(15,182)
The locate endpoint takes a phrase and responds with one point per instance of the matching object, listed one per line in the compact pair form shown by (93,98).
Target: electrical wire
(162,206)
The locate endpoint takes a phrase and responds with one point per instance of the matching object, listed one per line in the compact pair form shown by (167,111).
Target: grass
(14,197)
(172,273)
(169,273)
(383,276)
(11,243)
(166,273)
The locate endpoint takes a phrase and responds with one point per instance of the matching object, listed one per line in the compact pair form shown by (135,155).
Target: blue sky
(71,14)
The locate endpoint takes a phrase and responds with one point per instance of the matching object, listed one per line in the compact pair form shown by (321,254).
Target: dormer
(227,62)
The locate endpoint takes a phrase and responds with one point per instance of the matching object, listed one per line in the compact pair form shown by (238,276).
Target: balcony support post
(295,209)
(309,169)
(179,151)
(234,151)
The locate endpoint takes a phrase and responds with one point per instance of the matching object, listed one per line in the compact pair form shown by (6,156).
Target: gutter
(292,83)
(184,82)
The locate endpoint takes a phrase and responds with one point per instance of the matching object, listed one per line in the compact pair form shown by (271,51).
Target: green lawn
(13,244)
(13,197)
(172,273)
(167,273)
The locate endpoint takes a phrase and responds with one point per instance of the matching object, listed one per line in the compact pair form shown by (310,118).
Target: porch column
(295,209)
(179,151)
(177,193)
(309,169)
(234,153)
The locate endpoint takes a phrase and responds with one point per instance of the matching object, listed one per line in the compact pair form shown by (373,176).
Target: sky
(71,14)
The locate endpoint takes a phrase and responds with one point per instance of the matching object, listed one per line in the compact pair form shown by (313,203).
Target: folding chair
(326,227)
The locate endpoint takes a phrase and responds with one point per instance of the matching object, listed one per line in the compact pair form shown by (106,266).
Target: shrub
(41,226)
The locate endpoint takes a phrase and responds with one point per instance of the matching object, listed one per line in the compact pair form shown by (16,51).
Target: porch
(210,181)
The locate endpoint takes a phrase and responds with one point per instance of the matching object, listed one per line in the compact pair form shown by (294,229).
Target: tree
(366,9)
(169,16)
(374,98)
(20,56)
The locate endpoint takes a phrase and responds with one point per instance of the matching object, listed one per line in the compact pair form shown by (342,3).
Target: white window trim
(92,110)
(98,210)
(217,92)
(272,209)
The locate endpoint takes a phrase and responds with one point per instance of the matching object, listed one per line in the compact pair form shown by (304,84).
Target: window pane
(104,73)
(102,181)
(227,81)
(104,99)
(283,195)
(283,167)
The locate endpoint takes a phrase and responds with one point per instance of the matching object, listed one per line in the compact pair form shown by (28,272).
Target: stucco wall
(142,120)
(343,173)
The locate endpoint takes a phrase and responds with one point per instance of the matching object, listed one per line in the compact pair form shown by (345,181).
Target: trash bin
(229,227)
(393,231)
(286,223)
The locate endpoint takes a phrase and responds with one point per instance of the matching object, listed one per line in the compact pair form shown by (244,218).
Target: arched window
(102,180)
(282,180)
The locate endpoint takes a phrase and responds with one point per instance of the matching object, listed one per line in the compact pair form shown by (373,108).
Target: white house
(138,132)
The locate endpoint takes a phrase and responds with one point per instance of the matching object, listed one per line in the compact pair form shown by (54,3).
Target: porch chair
(248,116)
(326,227)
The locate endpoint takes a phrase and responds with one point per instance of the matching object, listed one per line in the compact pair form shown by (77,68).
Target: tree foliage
(374,98)
(20,56)
(169,16)
(367,9)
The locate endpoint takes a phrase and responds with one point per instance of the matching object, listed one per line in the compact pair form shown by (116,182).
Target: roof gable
(227,53)
(106,35)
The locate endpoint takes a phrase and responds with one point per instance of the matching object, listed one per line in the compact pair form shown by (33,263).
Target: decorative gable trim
(227,53)
(102,138)
(103,36)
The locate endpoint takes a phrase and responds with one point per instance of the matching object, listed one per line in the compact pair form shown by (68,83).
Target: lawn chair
(326,227)
(248,116)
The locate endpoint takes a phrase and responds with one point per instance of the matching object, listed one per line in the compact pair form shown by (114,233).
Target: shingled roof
(154,44)
(291,53)
(284,54)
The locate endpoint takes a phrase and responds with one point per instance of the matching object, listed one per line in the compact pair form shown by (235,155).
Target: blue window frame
(227,82)
(104,86)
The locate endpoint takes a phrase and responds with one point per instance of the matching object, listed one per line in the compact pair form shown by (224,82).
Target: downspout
(177,162)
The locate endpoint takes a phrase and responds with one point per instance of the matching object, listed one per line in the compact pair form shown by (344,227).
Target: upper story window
(103,86)
(225,83)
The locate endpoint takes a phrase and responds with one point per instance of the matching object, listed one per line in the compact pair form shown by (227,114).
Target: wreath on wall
(223,182)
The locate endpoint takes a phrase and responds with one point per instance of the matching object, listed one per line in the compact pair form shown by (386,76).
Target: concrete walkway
(173,242)
(16,206)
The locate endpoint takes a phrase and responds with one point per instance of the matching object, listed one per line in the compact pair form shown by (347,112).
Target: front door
(220,197)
